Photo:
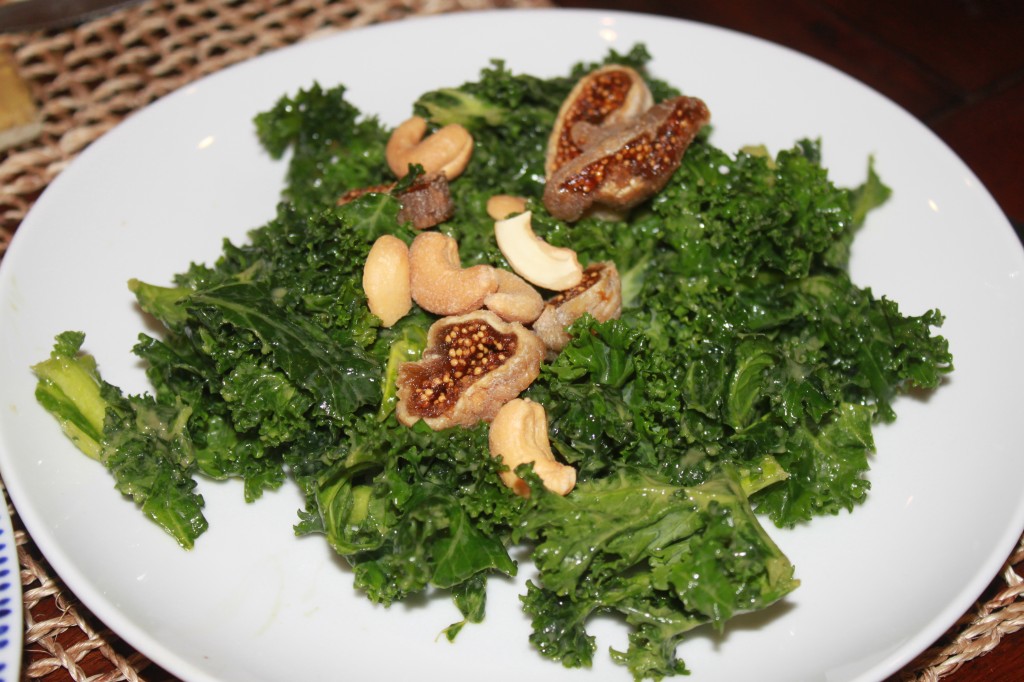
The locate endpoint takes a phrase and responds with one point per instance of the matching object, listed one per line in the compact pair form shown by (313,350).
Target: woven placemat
(86,80)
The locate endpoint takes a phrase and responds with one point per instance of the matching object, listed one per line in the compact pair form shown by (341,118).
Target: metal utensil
(30,15)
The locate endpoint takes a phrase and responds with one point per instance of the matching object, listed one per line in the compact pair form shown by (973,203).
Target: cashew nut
(515,300)
(519,435)
(501,206)
(533,259)
(386,279)
(447,150)
(438,282)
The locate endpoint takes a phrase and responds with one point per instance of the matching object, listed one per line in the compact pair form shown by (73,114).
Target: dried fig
(600,294)
(473,365)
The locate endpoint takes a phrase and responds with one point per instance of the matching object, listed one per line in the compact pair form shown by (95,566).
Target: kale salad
(734,383)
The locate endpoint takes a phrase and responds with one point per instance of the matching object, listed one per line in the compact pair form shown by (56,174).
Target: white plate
(252,602)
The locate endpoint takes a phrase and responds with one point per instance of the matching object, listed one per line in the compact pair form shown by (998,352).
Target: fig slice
(630,163)
(473,364)
(604,97)
(599,293)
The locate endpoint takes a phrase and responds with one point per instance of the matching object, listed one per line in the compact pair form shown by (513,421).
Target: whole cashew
(386,279)
(519,435)
(447,150)
(438,282)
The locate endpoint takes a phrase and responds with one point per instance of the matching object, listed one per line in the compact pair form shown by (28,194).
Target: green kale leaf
(144,444)
(667,558)
(334,149)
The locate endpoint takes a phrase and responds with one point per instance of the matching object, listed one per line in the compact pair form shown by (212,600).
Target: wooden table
(956,65)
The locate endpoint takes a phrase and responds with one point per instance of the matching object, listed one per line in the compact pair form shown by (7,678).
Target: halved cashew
(533,259)
(447,150)
(386,279)
(519,435)
(515,300)
(439,284)
(501,206)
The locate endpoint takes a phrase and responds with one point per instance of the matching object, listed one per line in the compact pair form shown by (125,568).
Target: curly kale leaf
(751,341)
(222,449)
(416,508)
(269,350)
(144,444)
(825,466)
(334,148)
(338,378)
(632,544)
(274,341)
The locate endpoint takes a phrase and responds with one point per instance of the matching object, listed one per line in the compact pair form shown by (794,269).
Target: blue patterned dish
(10,602)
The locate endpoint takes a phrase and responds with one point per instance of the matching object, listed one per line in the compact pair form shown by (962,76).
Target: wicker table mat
(86,79)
